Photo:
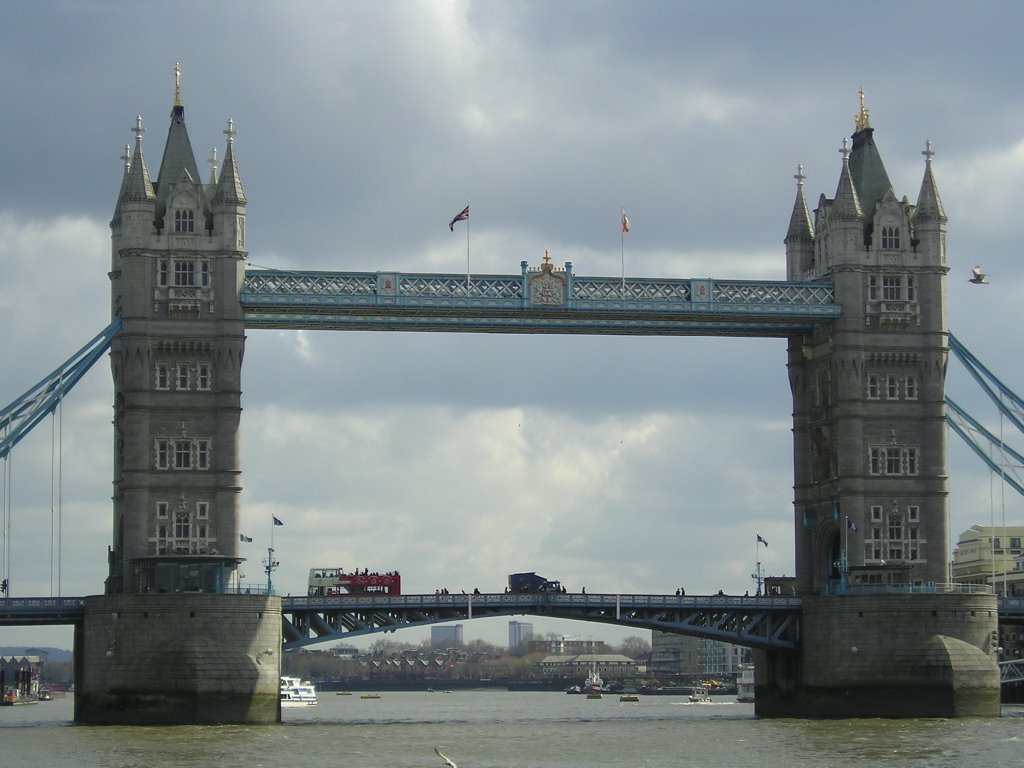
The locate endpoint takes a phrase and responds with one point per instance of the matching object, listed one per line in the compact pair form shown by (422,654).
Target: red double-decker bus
(338,581)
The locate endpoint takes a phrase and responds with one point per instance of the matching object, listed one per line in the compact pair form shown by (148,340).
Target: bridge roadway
(757,622)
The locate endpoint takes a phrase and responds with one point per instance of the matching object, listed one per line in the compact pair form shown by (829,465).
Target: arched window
(182,526)
(184,221)
(890,238)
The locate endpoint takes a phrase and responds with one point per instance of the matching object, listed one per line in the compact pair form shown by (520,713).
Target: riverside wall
(901,655)
(175,659)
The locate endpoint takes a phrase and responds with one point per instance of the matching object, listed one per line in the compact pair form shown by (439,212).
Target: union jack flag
(462,215)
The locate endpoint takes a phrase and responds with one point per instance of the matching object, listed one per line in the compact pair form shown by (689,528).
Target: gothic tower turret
(178,262)
(868,389)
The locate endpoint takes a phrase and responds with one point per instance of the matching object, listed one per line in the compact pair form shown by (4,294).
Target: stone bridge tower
(880,634)
(870,467)
(172,641)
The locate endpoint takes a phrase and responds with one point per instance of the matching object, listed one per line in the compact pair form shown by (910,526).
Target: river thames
(497,729)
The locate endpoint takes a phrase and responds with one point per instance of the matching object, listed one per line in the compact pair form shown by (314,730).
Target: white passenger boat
(297,693)
(700,695)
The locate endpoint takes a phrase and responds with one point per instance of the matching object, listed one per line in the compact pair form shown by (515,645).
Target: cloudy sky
(612,463)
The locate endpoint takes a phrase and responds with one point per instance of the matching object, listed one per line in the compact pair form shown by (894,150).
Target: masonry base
(920,655)
(177,659)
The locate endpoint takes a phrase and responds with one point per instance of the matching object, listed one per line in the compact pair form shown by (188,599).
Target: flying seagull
(446,760)
(979,277)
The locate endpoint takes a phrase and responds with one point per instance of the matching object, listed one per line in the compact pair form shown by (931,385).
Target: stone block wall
(179,658)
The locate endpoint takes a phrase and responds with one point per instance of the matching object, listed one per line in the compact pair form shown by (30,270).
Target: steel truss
(756,622)
(393,301)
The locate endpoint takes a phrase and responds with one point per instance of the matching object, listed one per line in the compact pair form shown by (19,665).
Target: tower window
(892,288)
(161,509)
(184,273)
(204,274)
(162,272)
(182,376)
(184,221)
(182,526)
(911,387)
(203,376)
(892,387)
(183,454)
(202,454)
(163,376)
(873,386)
(890,238)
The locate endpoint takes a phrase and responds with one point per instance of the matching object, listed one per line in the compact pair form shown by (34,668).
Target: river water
(497,729)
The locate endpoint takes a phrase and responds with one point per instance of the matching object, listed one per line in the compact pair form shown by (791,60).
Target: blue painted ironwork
(18,418)
(757,622)
(987,446)
(539,300)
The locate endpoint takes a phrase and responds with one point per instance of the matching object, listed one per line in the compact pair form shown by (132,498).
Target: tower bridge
(863,310)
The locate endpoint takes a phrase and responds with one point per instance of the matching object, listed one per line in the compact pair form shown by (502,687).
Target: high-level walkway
(394,301)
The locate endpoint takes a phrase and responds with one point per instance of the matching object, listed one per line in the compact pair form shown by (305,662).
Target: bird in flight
(447,760)
(978,277)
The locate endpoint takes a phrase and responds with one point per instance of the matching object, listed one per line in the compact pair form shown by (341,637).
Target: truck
(531,582)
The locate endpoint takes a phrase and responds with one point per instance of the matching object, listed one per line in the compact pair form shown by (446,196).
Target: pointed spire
(800,227)
(229,186)
(847,202)
(866,167)
(929,204)
(214,164)
(137,186)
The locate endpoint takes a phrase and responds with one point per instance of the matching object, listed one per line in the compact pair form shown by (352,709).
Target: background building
(673,654)
(519,632)
(986,554)
(449,636)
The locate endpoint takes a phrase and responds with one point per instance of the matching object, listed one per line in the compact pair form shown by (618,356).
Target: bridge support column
(900,655)
(177,659)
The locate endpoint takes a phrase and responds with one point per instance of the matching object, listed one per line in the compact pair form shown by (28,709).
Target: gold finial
(546,266)
(863,118)
(177,84)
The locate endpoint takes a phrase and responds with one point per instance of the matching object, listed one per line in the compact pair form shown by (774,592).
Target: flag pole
(622,248)
(467,255)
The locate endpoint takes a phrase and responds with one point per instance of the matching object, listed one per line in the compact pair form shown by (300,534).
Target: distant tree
(634,647)
(388,648)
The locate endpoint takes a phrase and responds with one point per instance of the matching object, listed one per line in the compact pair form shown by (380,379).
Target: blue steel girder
(19,418)
(757,622)
(394,301)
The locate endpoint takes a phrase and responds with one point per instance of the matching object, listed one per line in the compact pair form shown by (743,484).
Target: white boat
(297,693)
(700,695)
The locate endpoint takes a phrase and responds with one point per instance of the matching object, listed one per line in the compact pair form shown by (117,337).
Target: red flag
(625,223)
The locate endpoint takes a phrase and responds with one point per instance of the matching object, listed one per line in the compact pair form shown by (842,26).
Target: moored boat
(297,693)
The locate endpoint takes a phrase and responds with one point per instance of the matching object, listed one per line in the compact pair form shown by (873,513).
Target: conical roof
(178,159)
